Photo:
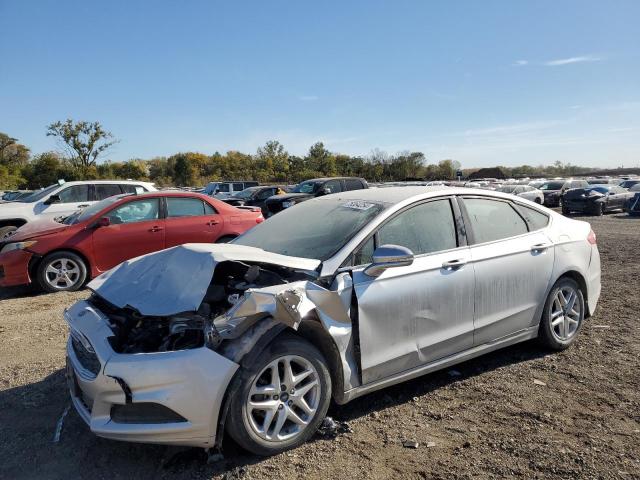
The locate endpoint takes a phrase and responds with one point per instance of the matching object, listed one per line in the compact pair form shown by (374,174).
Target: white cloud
(520,63)
(308,98)
(570,60)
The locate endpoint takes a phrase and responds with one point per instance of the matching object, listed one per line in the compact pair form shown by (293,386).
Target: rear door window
(131,188)
(77,193)
(106,190)
(534,218)
(135,211)
(237,187)
(184,207)
(425,228)
(493,219)
(352,184)
(334,186)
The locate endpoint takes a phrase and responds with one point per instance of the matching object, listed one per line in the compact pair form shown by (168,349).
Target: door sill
(520,336)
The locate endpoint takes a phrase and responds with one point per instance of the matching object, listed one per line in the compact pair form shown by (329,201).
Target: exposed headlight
(288,204)
(9,247)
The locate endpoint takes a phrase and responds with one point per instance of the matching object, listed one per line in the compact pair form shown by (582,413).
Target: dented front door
(413,315)
(410,316)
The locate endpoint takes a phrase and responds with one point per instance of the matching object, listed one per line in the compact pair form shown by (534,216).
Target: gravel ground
(519,412)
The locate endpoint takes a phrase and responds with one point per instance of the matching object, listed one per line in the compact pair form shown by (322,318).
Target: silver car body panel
(192,383)
(410,320)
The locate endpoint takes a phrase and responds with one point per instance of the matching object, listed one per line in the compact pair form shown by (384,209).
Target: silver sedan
(329,300)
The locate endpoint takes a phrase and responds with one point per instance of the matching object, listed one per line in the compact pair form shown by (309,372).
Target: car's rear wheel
(61,272)
(563,315)
(282,397)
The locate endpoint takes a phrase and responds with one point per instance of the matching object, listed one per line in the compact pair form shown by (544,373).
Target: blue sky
(482,82)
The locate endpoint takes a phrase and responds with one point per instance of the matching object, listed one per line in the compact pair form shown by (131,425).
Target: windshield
(551,186)
(39,195)
(314,229)
(246,193)
(305,187)
(597,189)
(87,213)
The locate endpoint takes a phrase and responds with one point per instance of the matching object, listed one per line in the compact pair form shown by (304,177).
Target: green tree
(183,172)
(85,142)
(12,153)
(43,170)
(272,162)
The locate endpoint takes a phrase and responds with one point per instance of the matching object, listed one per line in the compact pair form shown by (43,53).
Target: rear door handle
(211,223)
(540,247)
(454,264)
(84,205)
(155,229)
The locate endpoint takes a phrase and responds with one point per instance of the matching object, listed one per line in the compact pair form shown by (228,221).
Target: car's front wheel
(61,272)
(282,397)
(562,316)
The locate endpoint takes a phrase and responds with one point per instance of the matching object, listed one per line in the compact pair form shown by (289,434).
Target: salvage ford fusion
(332,299)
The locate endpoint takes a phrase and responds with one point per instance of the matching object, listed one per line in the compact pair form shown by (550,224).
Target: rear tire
(271,411)
(5,230)
(565,211)
(61,272)
(563,315)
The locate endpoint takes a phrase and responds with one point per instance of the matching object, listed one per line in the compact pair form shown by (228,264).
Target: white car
(525,191)
(63,198)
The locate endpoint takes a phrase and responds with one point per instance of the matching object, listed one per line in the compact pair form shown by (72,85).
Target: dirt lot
(580,419)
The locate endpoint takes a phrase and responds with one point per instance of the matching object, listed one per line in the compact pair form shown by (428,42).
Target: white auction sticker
(358,205)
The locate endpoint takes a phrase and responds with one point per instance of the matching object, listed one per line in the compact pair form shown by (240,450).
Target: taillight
(591,238)
(259,219)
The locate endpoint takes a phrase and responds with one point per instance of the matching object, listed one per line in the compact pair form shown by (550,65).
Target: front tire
(61,272)
(563,315)
(282,397)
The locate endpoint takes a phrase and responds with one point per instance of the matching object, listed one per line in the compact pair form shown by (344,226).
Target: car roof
(84,182)
(324,179)
(395,195)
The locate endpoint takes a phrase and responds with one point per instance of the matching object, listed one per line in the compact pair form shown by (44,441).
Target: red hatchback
(64,253)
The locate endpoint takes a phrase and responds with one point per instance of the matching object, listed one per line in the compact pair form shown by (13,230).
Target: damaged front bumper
(171,397)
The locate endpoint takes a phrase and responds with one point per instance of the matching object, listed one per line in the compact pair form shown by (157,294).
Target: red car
(62,254)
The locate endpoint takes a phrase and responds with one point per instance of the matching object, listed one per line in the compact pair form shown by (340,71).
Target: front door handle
(540,247)
(84,205)
(155,228)
(454,264)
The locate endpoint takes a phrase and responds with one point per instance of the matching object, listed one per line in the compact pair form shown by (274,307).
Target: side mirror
(52,199)
(389,256)
(103,222)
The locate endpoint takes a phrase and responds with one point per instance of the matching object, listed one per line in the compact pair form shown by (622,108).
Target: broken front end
(153,351)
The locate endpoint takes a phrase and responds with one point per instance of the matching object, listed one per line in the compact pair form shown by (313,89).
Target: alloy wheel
(283,399)
(62,273)
(565,313)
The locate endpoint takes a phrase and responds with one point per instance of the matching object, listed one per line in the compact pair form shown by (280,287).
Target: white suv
(63,198)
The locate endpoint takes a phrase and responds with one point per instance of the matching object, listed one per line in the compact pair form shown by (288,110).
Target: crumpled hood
(37,228)
(176,279)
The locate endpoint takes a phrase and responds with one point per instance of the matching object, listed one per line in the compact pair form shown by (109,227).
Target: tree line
(82,144)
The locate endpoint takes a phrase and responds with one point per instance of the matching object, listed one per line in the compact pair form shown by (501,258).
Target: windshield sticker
(358,205)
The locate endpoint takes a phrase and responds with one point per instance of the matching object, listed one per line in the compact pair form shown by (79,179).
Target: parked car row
(62,253)
(63,198)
